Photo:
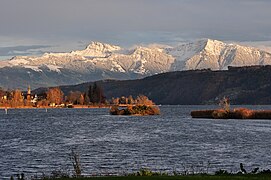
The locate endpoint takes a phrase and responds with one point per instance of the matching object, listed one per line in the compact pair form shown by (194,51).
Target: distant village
(54,97)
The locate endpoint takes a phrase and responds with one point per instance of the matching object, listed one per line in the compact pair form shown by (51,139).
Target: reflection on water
(36,141)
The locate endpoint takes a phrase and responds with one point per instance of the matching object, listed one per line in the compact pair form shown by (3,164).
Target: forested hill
(243,85)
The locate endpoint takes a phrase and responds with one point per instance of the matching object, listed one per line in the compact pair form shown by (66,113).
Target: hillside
(99,61)
(243,85)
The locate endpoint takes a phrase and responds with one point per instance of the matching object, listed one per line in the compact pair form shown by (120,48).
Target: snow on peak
(18,61)
(97,49)
(214,54)
(214,46)
(102,46)
(54,68)
(146,60)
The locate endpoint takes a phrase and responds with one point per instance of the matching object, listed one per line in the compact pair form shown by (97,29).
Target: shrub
(220,114)
(222,172)
(76,164)
(243,113)
(135,110)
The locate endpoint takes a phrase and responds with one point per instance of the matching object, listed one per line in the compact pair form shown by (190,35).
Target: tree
(75,97)
(131,100)
(115,101)
(96,94)
(2,95)
(225,104)
(123,100)
(89,93)
(17,98)
(144,100)
(81,99)
(55,95)
(86,98)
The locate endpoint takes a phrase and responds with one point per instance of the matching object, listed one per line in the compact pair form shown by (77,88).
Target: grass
(147,174)
(192,177)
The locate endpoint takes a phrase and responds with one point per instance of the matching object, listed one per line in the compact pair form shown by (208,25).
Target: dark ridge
(243,85)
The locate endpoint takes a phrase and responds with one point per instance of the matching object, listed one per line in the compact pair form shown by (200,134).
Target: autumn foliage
(12,98)
(55,95)
(141,106)
(76,98)
(139,100)
(238,113)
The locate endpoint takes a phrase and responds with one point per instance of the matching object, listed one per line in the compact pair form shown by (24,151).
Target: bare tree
(144,100)
(225,104)
(75,97)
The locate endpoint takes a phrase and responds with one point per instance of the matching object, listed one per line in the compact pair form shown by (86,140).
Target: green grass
(195,177)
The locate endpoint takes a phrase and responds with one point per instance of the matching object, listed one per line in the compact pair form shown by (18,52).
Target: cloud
(74,24)
(22,50)
(263,45)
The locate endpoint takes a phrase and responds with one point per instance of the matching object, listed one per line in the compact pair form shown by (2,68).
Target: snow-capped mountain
(215,55)
(104,61)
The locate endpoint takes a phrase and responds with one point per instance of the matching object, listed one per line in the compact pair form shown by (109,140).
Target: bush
(202,114)
(220,114)
(243,113)
(222,172)
(135,110)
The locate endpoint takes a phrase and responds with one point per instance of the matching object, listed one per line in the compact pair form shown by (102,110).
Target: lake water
(34,141)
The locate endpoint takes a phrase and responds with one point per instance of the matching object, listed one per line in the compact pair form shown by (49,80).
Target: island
(226,113)
(141,106)
(238,113)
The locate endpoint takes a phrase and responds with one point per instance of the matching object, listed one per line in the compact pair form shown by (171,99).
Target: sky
(32,27)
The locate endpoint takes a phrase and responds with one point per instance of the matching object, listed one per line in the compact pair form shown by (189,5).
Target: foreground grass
(194,177)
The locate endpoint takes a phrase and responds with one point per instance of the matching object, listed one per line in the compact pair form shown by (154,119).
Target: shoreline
(50,107)
(238,113)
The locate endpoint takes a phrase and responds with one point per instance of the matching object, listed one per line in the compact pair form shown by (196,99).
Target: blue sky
(35,26)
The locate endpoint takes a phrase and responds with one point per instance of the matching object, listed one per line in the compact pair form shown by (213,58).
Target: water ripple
(33,141)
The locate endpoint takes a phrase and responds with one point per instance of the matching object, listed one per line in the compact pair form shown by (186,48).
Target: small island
(141,106)
(226,113)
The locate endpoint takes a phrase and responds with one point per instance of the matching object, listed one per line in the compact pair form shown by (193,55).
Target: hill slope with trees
(242,85)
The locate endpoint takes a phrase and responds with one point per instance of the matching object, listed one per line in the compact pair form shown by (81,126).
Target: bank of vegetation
(147,174)
(53,97)
(225,112)
(91,98)
(141,106)
(189,172)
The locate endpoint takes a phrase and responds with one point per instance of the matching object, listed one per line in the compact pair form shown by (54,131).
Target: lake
(34,141)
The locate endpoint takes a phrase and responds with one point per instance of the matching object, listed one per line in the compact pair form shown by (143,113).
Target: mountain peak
(102,47)
(214,46)
(97,49)
(210,42)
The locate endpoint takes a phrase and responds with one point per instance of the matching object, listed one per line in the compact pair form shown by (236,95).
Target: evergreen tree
(86,98)
(89,94)
(96,94)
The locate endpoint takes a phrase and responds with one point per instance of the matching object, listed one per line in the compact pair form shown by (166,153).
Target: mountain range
(99,61)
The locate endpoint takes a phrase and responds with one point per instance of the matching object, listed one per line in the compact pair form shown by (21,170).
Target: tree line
(139,100)
(52,97)
(94,95)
